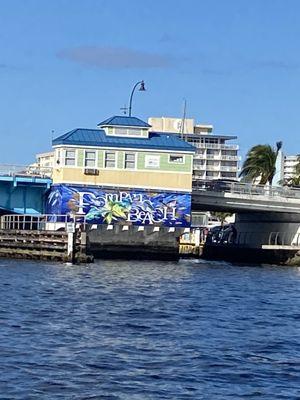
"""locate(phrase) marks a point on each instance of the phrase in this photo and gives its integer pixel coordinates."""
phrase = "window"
(129, 160)
(212, 152)
(211, 174)
(176, 159)
(210, 140)
(110, 159)
(213, 163)
(123, 131)
(70, 157)
(90, 159)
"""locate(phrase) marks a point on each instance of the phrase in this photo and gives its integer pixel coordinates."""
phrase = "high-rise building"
(285, 168)
(289, 166)
(214, 159)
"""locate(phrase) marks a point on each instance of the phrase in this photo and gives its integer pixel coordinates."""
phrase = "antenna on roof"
(183, 119)
(52, 135)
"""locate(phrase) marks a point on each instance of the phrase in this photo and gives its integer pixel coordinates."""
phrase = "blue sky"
(67, 64)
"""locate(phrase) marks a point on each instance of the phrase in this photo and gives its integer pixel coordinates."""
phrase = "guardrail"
(40, 222)
(24, 170)
(246, 189)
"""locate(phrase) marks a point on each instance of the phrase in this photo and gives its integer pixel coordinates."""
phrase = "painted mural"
(99, 206)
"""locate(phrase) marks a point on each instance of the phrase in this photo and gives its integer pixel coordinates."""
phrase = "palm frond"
(260, 164)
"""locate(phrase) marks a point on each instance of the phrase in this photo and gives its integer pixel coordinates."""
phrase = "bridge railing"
(246, 189)
(25, 170)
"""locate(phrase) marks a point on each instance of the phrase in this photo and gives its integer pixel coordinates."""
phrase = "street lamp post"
(141, 89)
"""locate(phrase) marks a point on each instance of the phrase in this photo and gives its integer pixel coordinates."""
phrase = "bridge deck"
(241, 197)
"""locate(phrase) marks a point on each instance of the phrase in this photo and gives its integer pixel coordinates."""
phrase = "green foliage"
(221, 216)
(260, 163)
(294, 181)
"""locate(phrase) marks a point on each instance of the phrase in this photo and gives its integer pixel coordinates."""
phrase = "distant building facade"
(45, 160)
(214, 158)
(285, 168)
(289, 166)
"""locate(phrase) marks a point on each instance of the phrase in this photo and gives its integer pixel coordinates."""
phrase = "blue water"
(149, 330)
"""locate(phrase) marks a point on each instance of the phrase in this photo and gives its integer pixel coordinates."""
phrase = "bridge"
(23, 188)
(237, 197)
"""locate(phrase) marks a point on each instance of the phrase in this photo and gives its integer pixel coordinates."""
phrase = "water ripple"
(149, 330)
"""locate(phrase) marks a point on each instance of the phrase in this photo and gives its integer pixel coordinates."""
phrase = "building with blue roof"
(123, 152)
(123, 120)
(122, 172)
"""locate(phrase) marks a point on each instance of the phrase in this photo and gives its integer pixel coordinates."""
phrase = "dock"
(35, 237)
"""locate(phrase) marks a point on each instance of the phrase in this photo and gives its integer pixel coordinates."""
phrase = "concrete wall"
(257, 229)
(134, 243)
(174, 125)
(136, 179)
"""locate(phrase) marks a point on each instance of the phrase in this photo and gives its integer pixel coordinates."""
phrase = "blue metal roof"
(124, 120)
(98, 138)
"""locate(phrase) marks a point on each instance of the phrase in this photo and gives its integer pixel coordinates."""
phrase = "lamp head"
(142, 87)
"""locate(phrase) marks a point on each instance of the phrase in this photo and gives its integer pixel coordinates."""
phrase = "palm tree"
(260, 163)
(221, 216)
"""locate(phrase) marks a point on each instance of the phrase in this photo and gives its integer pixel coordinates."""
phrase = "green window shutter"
(80, 156)
(120, 162)
(100, 159)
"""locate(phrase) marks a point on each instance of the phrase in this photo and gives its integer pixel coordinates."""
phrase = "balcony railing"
(199, 156)
(216, 146)
(229, 169)
(213, 167)
(230, 158)
(199, 167)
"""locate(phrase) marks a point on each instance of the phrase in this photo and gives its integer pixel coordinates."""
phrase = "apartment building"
(45, 159)
(285, 168)
(289, 166)
(215, 158)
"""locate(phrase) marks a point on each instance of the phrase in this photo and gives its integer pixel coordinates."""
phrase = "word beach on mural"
(105, 206)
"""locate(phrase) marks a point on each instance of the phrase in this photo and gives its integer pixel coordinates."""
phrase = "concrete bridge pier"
(138, 242)
(259, 229)
(262, 238)
(271, 236)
